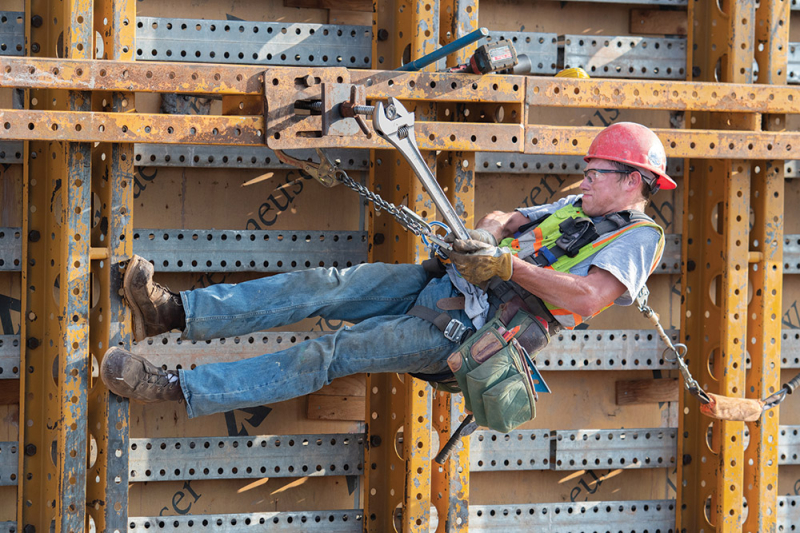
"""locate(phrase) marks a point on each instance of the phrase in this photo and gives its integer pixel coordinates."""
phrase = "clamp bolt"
(391, 112)
(30, 450)
(375, 441)
(32, 343)
(35, 48)
(34, 235)
(36, 22)
(383, 34)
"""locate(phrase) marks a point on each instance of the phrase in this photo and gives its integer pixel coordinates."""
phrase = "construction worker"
(543, 258)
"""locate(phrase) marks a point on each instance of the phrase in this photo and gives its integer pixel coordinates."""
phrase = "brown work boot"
(155, 309)
(131, 376)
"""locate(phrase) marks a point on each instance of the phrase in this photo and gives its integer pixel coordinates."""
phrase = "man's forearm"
(501, 224)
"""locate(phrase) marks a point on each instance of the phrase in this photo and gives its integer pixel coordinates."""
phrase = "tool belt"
(492, 368)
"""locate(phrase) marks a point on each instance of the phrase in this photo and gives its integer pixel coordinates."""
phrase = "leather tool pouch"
(493, 372)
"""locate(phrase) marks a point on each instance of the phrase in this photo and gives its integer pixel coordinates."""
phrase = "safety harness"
(558, 241)
(561, 241)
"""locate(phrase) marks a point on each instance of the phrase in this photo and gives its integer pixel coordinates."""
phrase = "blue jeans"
(372, 296)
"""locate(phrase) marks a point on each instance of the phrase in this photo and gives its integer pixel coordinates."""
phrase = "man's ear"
(636, 180)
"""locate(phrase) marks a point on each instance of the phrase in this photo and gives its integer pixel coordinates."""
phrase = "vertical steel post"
(56, 295)
(766, 277)
(111, 237)
(714, 321)
(404, 31)
(456, 171)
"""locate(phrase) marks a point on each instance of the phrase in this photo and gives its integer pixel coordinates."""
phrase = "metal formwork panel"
(10, 249)
(540, 48)
(308, 521)
(245, 457)
(583, 517)
(261, 43)
(12, 33)
(615, 448)
(249, 251)
(9, 460)
(9, 356)
(626, 57)
(515, 451)
(11, 152)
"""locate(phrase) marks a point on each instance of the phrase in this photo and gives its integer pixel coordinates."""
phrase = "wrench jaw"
(389, 119)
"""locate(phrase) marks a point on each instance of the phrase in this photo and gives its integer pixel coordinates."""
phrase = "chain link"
(404, 217)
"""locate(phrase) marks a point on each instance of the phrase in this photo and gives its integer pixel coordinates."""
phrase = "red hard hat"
(632, 144)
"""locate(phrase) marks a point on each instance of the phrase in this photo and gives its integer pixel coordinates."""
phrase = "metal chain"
(404, 216)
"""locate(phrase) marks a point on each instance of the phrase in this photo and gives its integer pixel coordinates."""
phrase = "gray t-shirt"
(628, 258)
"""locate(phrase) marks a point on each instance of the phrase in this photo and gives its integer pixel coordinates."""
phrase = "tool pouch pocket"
(493, 372)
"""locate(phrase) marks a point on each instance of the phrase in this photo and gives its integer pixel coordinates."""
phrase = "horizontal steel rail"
(9, 462)
(12, 33)
(307, 521)
(9, 356)
(245, 457)
(615, 448)
(626, 56)
(491, 451)
(587, 350)
(184, 78)
(260, 43)
(249, 251)
(634, 516)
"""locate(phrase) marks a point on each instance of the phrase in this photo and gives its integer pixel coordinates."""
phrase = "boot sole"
(138, 318)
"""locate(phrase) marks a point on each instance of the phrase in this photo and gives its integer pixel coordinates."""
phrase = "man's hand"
(478, 261)
(475, 235)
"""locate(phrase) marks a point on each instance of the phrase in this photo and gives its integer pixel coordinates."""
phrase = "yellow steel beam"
(456, 173)
(112, 242)
(664, 95)
(766, 277)
(249, 130)
(699, 144)
(103, 75)
(715, 316)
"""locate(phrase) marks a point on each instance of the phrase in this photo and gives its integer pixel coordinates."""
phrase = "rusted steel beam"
(665, 95)
(699, 144)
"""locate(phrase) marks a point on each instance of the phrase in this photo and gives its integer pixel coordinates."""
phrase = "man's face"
(603, 193)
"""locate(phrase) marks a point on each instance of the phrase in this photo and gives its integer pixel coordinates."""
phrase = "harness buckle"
(456, 331)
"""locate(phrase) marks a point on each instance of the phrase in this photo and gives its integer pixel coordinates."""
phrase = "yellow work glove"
(476, 235)
(478, 262)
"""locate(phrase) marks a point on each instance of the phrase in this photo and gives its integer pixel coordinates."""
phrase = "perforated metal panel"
(9, 356)
(12, 33)
(339, 454)
(10, 249)
(8, 527)
(249, 251)
(11, 152)
(626, 57)
(791, 169)
(8, 462)
(541, 48)
(209, 156)
(518, 450)
(605, 350)
(789, 445)
(260, 43)
(616, 448)
(788, 514)
(311, 521)
(587, 517)
(511, 163)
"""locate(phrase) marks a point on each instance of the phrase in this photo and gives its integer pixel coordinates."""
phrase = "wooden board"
(641, 391)
(344, 5)
(658, 22)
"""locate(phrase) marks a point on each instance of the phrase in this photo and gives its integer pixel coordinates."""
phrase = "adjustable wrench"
(395, 124)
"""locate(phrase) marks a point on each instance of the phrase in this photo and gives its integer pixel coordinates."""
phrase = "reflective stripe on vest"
(539, 239)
